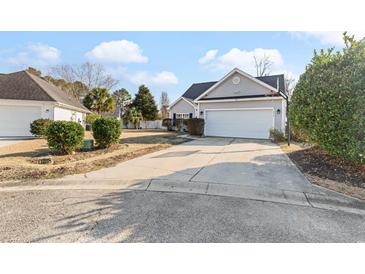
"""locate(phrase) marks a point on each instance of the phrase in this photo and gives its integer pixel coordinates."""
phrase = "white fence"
(157, 124)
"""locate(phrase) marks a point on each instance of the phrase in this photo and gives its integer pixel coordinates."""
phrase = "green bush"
(65, 136)
(328, 102)
(106, 131)
(195, 126)
(277, 135)
(39, 127)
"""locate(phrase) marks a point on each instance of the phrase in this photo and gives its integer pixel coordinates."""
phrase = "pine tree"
(145, 103)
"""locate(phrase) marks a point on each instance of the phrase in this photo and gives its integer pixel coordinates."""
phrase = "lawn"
(328, 171)
(23, 161)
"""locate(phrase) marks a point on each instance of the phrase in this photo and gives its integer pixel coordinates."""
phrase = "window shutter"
(174, 119)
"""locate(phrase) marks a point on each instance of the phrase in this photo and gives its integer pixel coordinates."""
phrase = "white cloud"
(36, 54)
(331, 38)
(121, 51)
(245, 60)
(165, 78)
(210, 55)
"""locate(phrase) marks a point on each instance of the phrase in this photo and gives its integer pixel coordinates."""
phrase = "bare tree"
(91, 74)
(164, 102)
(289, 83)
(263, 65)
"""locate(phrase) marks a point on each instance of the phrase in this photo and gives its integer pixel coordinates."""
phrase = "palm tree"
(135, 117)
(99, 100)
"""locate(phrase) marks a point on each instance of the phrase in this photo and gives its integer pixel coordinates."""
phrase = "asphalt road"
(148, 216)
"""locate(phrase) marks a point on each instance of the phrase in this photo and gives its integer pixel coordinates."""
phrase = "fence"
(157, 124)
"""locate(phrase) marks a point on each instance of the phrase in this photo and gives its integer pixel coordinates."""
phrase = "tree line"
(91, 84)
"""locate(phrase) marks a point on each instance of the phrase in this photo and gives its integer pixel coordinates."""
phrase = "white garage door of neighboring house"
(15, 120)
(244, 123)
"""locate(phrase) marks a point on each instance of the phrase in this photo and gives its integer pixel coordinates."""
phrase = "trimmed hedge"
(328, 103)
(106, 131)
(195, 126)
(39, 127)
(65, 136)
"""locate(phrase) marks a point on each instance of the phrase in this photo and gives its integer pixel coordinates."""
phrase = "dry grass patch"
(20, 161)
(328, 171)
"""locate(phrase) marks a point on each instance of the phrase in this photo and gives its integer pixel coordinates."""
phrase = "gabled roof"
(233, 71)
(23, 85)
(188, 100)
(272, 80)
(197, 89)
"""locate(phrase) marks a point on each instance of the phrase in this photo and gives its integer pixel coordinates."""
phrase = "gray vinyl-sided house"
(238, 105)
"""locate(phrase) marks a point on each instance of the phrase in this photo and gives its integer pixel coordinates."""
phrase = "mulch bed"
(319, 164)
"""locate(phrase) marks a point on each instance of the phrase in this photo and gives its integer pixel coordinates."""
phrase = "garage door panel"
(15, 120)
(244, 123)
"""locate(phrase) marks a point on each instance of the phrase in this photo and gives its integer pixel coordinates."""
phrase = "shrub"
(329, 100)
(65, 136)
(277, 135)
(195, 126)
(106, 131)
(39, 127)
(167, 123)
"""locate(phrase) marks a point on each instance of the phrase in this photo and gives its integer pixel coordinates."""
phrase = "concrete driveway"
(225, 161)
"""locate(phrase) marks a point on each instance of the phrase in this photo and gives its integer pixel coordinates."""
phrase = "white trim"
(237, 109)
(241, 100)
(231, 73)
(72, 108)
(186, 100)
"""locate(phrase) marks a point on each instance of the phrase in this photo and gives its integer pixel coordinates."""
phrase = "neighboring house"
(238, 105)
(25, 97)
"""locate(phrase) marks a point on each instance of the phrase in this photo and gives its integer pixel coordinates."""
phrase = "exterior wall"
(182, 107)
(245, 87)
(63, 114)
(279, 119)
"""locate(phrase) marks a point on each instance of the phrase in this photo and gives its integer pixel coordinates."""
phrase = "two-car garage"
(239, 122)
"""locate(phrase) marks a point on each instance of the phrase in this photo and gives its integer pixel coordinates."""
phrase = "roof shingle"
(25, 86)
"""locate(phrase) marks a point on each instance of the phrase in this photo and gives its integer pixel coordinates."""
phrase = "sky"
(164, 61)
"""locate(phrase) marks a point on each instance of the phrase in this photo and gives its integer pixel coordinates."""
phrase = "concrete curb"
(306, 199)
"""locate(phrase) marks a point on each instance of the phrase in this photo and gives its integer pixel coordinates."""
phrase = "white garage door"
(15, 120)
(244, 123)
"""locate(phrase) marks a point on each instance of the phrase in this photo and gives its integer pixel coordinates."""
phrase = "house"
(238, 105)
(25, 97)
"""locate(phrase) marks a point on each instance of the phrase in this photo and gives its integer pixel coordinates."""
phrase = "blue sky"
(164, 61)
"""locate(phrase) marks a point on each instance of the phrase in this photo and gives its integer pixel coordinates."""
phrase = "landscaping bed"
(328, 171)
(22, 161)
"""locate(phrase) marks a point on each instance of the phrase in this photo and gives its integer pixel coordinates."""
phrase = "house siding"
(62, 114)
(279, 119)
(182, 107)
(245, 87)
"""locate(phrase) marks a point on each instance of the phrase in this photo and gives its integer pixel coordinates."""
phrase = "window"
(182, 115)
